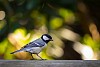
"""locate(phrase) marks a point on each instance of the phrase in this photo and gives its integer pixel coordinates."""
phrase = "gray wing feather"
(36, 43)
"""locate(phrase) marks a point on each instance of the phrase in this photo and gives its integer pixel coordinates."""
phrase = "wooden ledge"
(49, 63)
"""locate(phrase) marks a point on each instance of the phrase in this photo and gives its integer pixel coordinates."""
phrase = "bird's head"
(46, 38)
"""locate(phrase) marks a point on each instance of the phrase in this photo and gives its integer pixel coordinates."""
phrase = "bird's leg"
(31, 56)
(39, 57)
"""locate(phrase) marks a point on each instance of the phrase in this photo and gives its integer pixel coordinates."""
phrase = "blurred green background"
(73, 24)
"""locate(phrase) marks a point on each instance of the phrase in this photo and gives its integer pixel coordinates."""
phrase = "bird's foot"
(32, 59)
(42, 59)
(38, 59)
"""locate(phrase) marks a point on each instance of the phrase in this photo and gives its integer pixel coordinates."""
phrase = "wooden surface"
(49, 63)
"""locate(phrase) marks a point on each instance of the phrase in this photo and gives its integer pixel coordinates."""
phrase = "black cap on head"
(47, 36)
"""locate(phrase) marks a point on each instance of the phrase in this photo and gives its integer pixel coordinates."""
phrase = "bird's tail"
(16, 51)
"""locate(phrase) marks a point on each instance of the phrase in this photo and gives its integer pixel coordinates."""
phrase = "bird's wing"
(33, 44)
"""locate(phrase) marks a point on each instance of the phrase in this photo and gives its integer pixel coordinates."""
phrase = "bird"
(36, 46)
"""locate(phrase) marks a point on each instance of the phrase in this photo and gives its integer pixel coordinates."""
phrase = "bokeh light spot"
(56, 23)
(2, 15)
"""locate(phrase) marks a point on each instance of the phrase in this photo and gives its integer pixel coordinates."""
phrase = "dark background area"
(73, 24)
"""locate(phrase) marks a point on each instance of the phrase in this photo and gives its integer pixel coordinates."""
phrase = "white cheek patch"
(45, 38)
